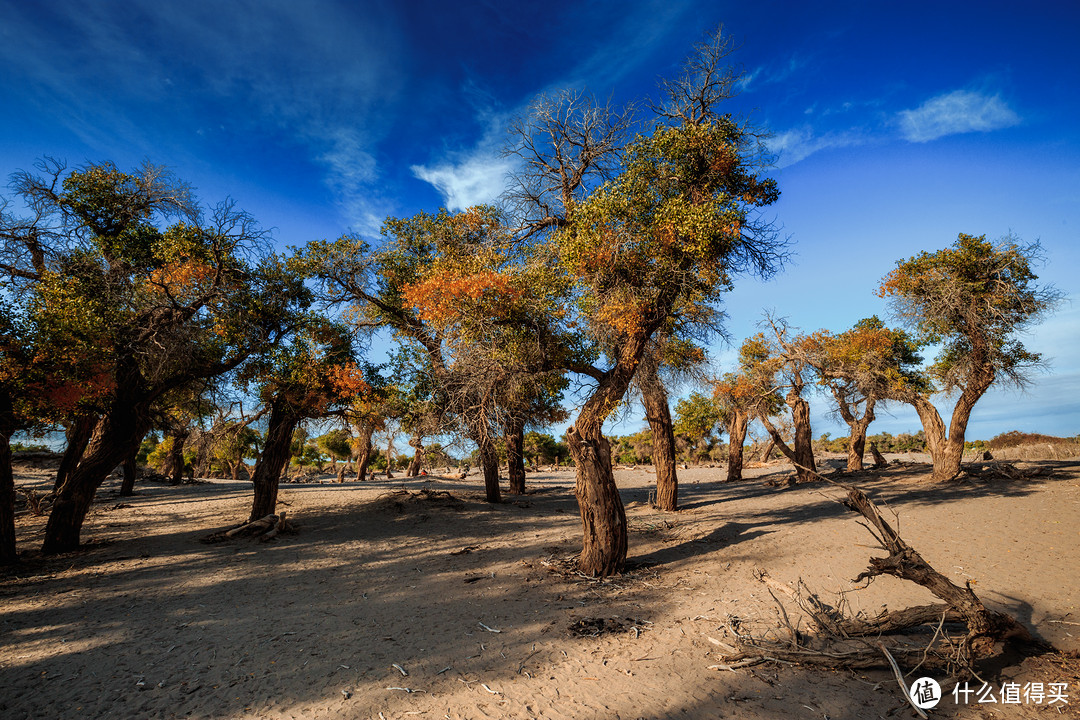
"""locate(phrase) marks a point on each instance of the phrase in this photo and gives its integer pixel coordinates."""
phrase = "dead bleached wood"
(278, 527)
(262, 524)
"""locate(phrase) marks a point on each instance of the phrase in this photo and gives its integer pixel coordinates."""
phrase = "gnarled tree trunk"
(802, 454)
(515, 457)
(417, 444)
(767, 452)
(275, 455)
(78, 435)
(603, 517)
(655, 399)
(364, 432)
(116, 437)
(489, 463)
(736, 428)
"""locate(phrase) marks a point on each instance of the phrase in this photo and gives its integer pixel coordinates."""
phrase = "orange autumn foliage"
(444, 296)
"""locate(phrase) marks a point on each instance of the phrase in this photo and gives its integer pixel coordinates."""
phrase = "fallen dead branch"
(266, 528)
(841, 641)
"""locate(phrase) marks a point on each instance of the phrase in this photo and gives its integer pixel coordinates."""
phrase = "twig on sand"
(900, 680)
(489, 629)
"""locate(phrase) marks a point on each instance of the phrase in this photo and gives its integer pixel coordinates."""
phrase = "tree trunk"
(417, 444)
(655, 399)
(174, 461)
(8, 554)
(947, 450)
(857, 426)
(78, 435)
(276, 453)
(363, 440)
(116, 437)
(767, 452)
(804, 447)
(127, 487)
(515, 457)
(802, 453)
(942, 448)
(736, 437)
(603, 517)
(489, 463)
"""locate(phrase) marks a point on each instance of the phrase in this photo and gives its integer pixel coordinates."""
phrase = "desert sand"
(413, 598)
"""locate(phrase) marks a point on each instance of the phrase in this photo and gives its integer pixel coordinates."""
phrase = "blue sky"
(898, 125)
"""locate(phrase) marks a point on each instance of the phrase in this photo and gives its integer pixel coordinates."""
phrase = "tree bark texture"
(116, 437)
(802, 454)
(603, 517)
(275, 454)
(857, 427)
(78, 435)
(417, 444)
(489, 463)
(947, 448)
(736, 437)
(515, 458)
(363, 441)
(655, 399)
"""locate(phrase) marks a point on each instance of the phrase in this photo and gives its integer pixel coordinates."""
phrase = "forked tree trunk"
(655, 399)
(515, 458)
(802, 454)
(947, 450)
(489, 463)
(736, 437)
(8, 555)
(116, 437)
(857, 426)
(78, 435)
(275, 454)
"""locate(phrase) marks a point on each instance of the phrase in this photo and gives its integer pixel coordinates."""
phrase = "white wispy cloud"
(960, 111)
(797, 144)
(472, 178)
(305, 75)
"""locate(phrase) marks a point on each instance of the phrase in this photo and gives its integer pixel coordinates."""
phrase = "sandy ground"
(398, 606)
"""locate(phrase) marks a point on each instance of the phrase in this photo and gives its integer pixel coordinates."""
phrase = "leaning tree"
(973, 299)
(665, 237)
(168, 291)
